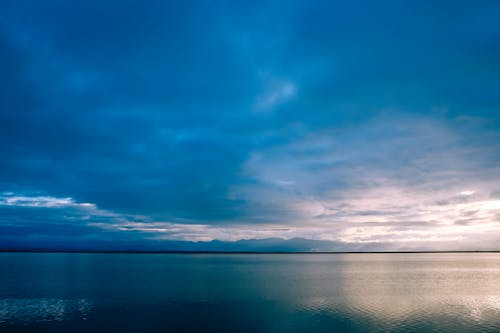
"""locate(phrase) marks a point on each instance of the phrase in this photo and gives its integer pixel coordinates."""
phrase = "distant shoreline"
(233, 252)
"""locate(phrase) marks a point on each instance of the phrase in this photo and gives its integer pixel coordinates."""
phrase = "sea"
(372, 292)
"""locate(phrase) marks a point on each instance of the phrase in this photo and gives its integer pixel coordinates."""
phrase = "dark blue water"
(56, 292)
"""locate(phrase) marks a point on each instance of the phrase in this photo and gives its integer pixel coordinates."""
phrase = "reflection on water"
(28, 310)
(405, 290)
(250, 293)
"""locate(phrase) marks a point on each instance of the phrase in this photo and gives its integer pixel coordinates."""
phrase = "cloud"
(277, 92)
(198, 122)
(384, 185)
(10, 199)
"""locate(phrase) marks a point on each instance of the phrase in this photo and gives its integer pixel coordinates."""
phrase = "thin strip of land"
(230, 252)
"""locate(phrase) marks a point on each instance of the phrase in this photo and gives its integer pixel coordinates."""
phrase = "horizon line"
(237, 252)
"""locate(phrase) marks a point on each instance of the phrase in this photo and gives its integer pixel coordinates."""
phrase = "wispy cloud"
(276, 92)
(384, 186)
(16, 200)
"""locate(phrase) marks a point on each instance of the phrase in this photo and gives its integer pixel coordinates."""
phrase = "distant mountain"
(250, 245)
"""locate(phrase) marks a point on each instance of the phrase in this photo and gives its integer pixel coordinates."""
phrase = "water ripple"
(29, 310)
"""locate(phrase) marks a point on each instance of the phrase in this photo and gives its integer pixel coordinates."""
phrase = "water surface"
(79, 292)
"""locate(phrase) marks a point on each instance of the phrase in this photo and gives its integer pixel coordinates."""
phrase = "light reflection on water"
(250, 293)
(398, 285)
(401, 289)
(29, 310)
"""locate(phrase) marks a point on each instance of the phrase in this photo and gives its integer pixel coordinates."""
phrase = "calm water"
(249, 293)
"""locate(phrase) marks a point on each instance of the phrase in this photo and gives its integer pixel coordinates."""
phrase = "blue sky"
(360, 124)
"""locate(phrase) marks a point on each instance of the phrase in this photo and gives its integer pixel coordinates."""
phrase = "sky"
(311, 125)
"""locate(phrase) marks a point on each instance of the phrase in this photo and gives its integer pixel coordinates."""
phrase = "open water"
(83, 292)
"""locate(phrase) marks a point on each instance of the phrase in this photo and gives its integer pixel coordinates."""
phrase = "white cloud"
(467, 193)
(19, 200)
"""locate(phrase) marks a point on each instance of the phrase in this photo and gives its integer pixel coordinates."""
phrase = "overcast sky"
(370, 123)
